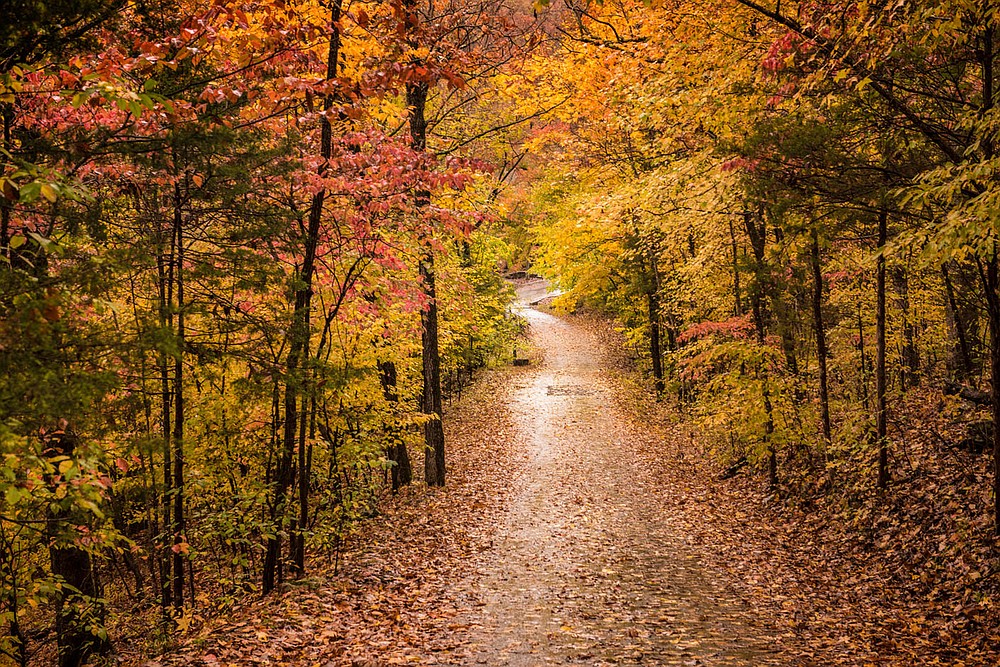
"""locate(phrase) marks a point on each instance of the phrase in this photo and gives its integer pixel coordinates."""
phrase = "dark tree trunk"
(298, 541)
(960, 358)
(402, 471)
(434, 463)
(757, 232)
(79, 607)
(881, 415)
(910, 354)
(299, 335)
(821, 351)
(737, 297)
(165, 278)
(864, 359)
(18, 651)
(7, 117)
(993, 284)
(178, 436)
(653, 298)
(431, 404)
(993, 311)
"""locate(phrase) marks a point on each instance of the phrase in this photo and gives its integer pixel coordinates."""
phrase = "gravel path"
(586, 569)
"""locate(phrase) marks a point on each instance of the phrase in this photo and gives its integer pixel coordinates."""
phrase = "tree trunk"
(737, 297)
(758, 242)
(863, 386)
(402, 471)
(993, 311)
(653, 299)
(880, 372)
(821, 351)
(434, 463)
(910, 354)
(178, 436)
(299, 335)
(7, 117)
(960, 357)
(993, 283)
(17, 641)
(165, 274)
(79, 607)
(431, 404)
(298, 541)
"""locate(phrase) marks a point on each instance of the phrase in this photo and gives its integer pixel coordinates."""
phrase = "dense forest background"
(251, 248)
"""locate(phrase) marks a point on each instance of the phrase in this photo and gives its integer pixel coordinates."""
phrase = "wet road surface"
(585, 568)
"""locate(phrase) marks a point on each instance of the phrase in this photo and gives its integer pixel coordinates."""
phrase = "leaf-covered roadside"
(903, 577)
(395, 597)
(888, 580)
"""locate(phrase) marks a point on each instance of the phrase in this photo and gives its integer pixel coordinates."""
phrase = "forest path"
(564, 537)
(587, 566)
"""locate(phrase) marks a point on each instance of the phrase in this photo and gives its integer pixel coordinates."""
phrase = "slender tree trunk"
(178, 436)
(910, 353)
(165, 280)
(402, 472)
(961, 353)
(993, 281)
(299, 335)
(18, 651)
(305, 476)
(434, 462)
(737, 297)
(653, 298)
(864, 359)
(993, 311)
(821, 351)
(7, 117)
(431, 404)
(757, 232)
(881, 415)
(79, 606)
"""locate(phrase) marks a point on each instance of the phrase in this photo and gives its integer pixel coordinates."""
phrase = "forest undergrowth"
(396, 596)
(850, 574)
(845, 575)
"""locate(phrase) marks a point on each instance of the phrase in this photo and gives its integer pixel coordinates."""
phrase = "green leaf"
(12, 495)
(49, 192)
(30, 192)
(91, 506)
(42, 242)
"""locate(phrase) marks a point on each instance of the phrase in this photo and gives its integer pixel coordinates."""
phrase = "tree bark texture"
(881, 415)
(821, 349)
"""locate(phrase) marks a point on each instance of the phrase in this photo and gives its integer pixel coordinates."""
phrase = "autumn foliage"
(248, 246)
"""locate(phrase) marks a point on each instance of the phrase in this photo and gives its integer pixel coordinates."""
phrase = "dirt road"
(586, 568)
(552, 544)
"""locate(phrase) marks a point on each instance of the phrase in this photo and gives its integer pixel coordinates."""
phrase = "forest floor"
(579, 526)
